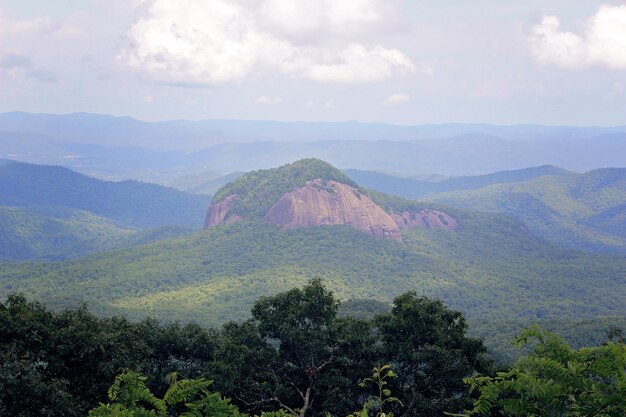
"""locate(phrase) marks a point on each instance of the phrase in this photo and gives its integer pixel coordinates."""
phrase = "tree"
(300, 323)
(295, 355)
(61, 363)
(431, 354)
(554, 380)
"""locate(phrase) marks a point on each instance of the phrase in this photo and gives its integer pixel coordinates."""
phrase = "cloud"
(602, 43)
(306, 19)
(43, 76)
(266, 100)
(11, 60)
(219, 41)
(38, 25)
(17, 65)
(396, 99)
(353, 64)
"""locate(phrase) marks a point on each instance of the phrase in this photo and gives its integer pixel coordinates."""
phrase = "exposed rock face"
(329, 202)
(429, 219)
(219, 213)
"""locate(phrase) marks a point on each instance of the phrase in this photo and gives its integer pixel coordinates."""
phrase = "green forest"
(295, 356)
(490, 270)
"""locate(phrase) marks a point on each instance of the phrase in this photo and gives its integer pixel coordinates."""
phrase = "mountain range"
(121, 148)
(580, 211)
(284, 226)
(54, 213)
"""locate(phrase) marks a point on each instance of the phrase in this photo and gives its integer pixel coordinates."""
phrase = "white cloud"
(189, 42)
(306, 18)
(218, 41)
(356, 64)
(396, 99)
(602, 43)
(267, 100)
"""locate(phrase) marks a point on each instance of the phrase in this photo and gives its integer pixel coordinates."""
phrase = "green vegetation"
(584, 211)
(61, 363)
(490, 269)
(130, 397)
(257, 191)
(414, 189)
(556, 381)
(129, 204)
(577, 332)
(294, 357)
(56, 233)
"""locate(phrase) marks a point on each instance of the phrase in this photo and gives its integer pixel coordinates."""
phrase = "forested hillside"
(416, 189)
(583, 211)
(58, 233)
(129, 204)
(490, 269)
(488, 266)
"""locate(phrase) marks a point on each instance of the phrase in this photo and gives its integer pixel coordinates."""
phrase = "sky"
(404, 62)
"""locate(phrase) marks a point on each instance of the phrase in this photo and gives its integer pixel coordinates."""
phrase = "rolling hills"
(416, 189)
(491, 267)
(53, 213)
(583, 211)
(130, 204)
(57, 233)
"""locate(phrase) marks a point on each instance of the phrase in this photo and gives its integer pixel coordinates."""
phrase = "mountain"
(582, 211)
(312, 193)
(129, 204)
(98, 129)
(57, 233)
(413, 189)
(120, 147)
(490, 267)
(207, 183)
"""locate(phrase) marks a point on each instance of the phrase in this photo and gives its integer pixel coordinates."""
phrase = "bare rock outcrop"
(329, 202)
(220, 213)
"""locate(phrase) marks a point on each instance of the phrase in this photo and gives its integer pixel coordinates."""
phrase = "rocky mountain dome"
(317, 201)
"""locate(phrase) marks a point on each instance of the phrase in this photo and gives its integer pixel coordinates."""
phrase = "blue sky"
(406, 62)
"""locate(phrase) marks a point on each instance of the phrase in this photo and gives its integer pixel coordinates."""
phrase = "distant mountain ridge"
(129, 203)
(120, 131)
(582, 211)
(413, 189)
(120, 148)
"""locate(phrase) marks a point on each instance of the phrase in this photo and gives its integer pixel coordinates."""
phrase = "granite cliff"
(289, 198)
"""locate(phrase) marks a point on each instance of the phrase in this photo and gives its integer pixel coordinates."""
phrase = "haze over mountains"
(121, 148)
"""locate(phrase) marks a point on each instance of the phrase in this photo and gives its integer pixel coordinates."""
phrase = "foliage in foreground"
(130, 397)
(294, 355)
(556, 381)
